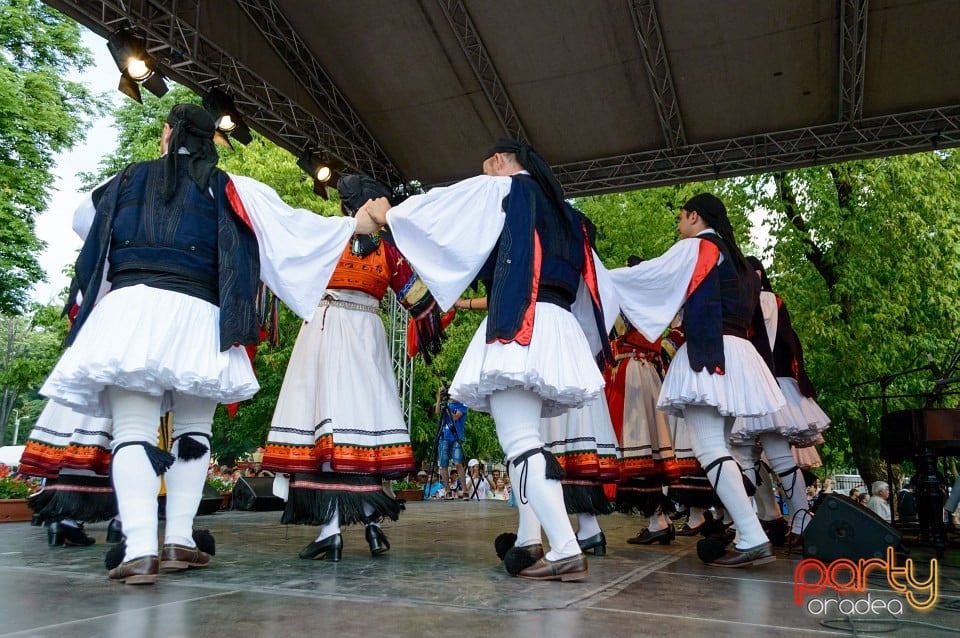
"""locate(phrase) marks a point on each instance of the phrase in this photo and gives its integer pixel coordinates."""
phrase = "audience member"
(878, 502)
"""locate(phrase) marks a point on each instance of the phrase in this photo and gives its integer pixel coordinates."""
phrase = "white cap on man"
(473, 462)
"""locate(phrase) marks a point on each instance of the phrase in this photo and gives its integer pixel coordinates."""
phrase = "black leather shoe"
(59, 535)
(114, 531)
(377, 540)
(646, 537)
(686, 530)
(759, 555)
(330, 548)
(36, 520)
(597, 542)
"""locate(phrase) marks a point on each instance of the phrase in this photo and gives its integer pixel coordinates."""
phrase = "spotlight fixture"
(220, 105)
(314, 164)
(135, 64)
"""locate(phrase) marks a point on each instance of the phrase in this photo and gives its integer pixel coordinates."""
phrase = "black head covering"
(538, 168)
(757, 265)
(710, 208)
(633, 260)
(355, 190)
(192, 129)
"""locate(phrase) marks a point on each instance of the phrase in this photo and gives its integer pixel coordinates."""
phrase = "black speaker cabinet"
(256, 495)
(844, 529)
(210, 501)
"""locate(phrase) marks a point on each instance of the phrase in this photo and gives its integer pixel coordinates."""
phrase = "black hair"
(714, 213)
(757, 265)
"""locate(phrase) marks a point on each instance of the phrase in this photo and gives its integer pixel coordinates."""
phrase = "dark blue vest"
(724, 303)
(194, 244)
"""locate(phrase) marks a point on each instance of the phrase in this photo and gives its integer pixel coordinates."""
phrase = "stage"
(440, 578)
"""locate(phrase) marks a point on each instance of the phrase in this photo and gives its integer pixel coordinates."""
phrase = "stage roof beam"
(655, 61)
(276, 29)
(853, 56)
(483, 68)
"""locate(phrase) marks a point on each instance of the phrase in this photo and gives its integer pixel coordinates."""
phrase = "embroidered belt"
(348, 305)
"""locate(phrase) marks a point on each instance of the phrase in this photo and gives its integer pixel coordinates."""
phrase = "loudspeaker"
(256, 495)
(844, 529)
(210, 501)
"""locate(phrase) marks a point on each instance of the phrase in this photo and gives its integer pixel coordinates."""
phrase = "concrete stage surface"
(440, 578)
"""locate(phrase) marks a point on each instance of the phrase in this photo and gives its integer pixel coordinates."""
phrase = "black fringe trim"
(66, 498)
(693, 491)
(644, 496)
(586, 499)
(307, 506)
(160, 460)
(554, 471)
(190, 450)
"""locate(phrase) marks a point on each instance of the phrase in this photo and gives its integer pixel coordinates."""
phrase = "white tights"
(709, 432)
(516, 413)
(136, 418)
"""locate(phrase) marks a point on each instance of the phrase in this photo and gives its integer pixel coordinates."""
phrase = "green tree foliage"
(41, 114)
(865, 255)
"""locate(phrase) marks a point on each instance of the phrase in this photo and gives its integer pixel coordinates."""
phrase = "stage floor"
(441, 578)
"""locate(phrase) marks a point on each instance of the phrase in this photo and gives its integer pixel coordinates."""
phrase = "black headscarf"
(714, 213)
(757, 265)
(538, 168)
(193, 129)
(355, 190)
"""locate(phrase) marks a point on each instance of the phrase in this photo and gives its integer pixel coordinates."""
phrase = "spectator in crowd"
(878, 503)
(907, 503)
(854, 494)
(433, 487)
(477, 486)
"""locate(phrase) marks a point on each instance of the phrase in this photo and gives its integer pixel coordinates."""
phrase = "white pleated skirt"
(746, 389)
(339, 383)
(801, 419)
(153, 341)
(557, 365)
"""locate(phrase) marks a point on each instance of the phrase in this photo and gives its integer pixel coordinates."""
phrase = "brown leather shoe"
(176, 558)
(139, 571)
(573, 568)
(759, 555)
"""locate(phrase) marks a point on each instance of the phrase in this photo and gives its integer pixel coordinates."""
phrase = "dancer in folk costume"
(338, 428)
(71, 451)
(182, 248)
(800, 422)
(583, 442)
(717, 374)
(531, 357)
(649, 462)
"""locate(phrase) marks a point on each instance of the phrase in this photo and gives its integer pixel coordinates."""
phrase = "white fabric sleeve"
(582, 307)
(653, 291)
(448, 233)
(299, 249)
(83, 215)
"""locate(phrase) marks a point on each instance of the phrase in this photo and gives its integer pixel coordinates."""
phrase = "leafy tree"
(41, 114)
(864, 253)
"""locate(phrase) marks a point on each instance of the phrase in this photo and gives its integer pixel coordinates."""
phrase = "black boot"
(377, 540)
(60, 534)
(330, 548)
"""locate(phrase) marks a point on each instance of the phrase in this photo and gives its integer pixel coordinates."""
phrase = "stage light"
(221, 107)
(136, 67)
(314, 164)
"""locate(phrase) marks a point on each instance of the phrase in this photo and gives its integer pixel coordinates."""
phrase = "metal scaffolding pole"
(396, 320)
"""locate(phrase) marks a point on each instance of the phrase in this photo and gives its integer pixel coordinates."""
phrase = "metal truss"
(647, 26)
(483, 67)
(826, 144)
(277, 30)
(853, 56)
(396, 321)
(187, 56)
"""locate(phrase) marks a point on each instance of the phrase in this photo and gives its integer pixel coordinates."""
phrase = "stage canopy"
(616, 94)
